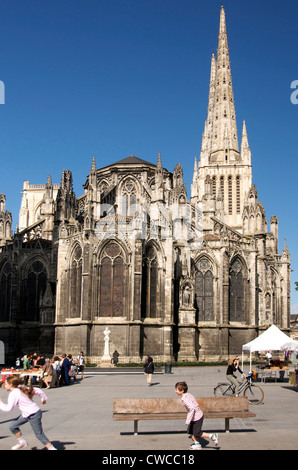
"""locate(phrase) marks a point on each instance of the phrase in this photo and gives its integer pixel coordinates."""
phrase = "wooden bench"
(136, 409)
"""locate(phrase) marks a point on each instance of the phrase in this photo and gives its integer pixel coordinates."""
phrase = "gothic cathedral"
(172, 277)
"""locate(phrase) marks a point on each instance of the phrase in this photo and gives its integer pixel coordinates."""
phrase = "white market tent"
(291, 345)
(272, 339)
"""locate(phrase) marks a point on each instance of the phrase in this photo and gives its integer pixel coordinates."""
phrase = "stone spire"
(159, 165)
(92, 174)
(221, 165)
(93, 166)
(244, 142)
(245, 150)
(285, 256)
(220, 140)
(159, 189)
(207, 135)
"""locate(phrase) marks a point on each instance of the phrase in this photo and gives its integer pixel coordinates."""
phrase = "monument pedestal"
(187, 334)
(106, 363)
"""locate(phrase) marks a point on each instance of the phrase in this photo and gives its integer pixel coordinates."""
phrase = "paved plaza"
(79, 417)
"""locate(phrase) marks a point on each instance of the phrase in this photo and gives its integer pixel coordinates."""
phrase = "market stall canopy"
(272, 339)
(291, 345)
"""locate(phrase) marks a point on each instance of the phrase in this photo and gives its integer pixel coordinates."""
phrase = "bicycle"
(254, 393)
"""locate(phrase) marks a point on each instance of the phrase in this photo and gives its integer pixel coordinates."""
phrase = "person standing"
(56, 371)
(23, 398)
(47, 373)
(81, 363)
(195, 417)
(65, 367)
(26, 362)
(269, 358)
(149, 369)
(115, 357)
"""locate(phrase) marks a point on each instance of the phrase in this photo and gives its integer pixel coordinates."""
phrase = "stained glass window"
(236, 292)
(112, 280)
(204, 290)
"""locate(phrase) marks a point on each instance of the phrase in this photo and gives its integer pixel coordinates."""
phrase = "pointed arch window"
(128, 197)
(274, 308)
(230, 194)
(222, 186)
(214, 186)
(236, 300)
(150, 284)
(238, 194)
(75, 283)
(268, 305)
(5, 293)
(204, 290)
(35, 287)
(112, 282)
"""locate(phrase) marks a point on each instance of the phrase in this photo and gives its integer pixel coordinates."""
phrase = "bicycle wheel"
(254, 393)
(223, 390)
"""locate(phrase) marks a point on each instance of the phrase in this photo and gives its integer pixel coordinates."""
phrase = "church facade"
(171, 277)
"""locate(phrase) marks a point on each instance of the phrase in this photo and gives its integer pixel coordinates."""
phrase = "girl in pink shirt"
(22, 397)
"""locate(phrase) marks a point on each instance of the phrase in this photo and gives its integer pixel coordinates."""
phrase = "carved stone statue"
(106, 355)
(187, 295)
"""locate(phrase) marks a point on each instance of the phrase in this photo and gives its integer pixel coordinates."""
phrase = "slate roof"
(133, 160)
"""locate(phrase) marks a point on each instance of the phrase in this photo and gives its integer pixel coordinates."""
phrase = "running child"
(23, 398)
(195, 417)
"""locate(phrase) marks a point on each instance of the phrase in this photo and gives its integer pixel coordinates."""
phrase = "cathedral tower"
(224, 176)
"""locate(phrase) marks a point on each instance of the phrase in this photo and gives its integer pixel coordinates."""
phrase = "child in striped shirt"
(195, 417)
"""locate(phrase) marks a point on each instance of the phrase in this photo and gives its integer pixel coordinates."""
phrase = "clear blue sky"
(111, 78)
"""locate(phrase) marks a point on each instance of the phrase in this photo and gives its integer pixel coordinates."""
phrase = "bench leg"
(227, 424)
(135, 427)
